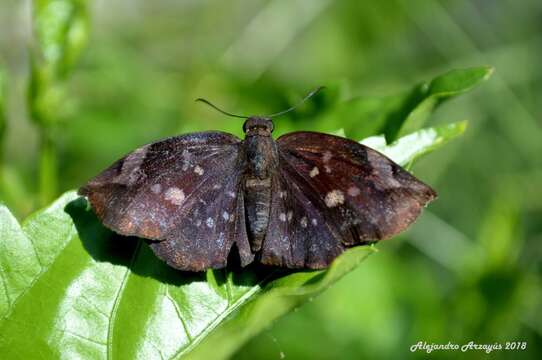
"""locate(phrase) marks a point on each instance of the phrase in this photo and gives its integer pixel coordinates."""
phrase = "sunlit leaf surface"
(93, 294)
(408, 148)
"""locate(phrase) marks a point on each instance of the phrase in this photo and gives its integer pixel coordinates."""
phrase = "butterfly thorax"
(262, 162)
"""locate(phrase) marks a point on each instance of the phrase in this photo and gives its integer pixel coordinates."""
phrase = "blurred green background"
(469, 269)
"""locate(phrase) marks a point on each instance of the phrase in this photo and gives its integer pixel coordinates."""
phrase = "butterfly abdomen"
(262, 161)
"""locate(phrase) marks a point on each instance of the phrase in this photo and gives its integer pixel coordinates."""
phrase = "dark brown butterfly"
(297, 202)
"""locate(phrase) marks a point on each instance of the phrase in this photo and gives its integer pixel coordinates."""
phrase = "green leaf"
(398, 115)
(279, 297)
(432, 94)
(90, 293)
(410, 147)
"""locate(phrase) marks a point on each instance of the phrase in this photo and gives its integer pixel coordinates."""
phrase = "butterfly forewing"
(181, 181)
(363, 195)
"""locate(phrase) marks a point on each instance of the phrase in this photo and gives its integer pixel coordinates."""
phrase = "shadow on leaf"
(104, 245)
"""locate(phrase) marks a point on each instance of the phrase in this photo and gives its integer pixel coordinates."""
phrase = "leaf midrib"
(224, 314)
(116, 303)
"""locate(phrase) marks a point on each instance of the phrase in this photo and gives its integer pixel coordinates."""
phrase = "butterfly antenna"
(220, 110)
(307, 97)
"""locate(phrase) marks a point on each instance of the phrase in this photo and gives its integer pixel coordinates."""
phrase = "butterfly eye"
(255, 123)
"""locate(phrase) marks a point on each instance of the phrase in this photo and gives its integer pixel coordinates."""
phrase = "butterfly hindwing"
(298, 234)
(361, 195)
(212, 221)
(180, 181)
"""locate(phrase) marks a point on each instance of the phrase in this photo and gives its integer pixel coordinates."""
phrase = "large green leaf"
(92, 294)
(80, 291)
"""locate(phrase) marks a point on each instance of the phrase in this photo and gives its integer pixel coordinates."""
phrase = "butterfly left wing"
(336, 193)
(184, 192)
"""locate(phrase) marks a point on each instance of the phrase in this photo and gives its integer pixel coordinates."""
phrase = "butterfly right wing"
(298, 235)
(352, 194)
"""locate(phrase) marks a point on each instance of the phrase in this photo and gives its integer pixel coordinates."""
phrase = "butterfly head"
(256, 125)
(260, 125)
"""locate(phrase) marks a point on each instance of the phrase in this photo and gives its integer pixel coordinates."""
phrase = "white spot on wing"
(303, 222)
(353, 191)
(383, 169)
(130, 171)
(209, 222)
(314, 172)
(198, 170)
(225, 215)
(175, 196)
(282, 217)
(334, 198)
(220, 240)
(314, 222)
(156, 188)
(186, 159)
(231, 194)
(290, 215)
(198, 223)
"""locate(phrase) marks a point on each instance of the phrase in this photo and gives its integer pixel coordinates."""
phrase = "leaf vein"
(5, 286)
(71, 333)
(38, 276)
(117, 301)
(178, 311)
(224, 314)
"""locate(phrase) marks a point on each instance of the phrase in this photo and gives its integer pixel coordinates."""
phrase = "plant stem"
(47, 167)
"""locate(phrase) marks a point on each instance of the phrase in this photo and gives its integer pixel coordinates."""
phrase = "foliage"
(61, 31)
(469, 268)
(105, 296)
(101, 296)
(404, 113)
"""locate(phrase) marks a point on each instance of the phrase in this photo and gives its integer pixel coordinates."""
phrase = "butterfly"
(297, 202)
